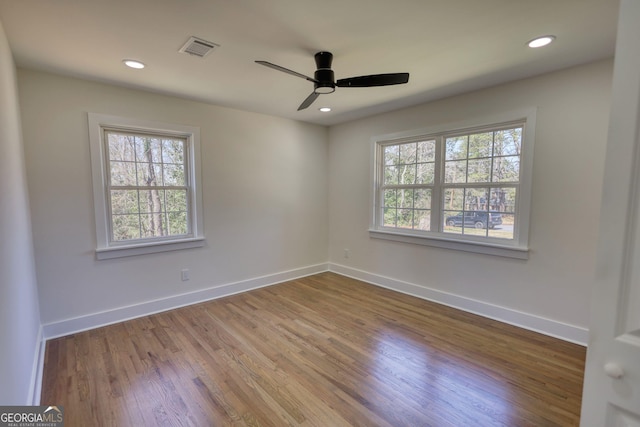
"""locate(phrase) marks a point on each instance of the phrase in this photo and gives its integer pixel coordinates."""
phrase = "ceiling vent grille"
(198, 47)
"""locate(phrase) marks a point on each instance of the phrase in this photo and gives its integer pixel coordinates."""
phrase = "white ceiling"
(448, 46)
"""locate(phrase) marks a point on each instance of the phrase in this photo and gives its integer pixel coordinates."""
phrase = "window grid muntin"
(186, 155)
(439, 187)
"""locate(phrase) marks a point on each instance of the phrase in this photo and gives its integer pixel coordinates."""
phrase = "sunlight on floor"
(441, 378)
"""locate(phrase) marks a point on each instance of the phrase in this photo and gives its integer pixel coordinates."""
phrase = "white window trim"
(516, 248)
(105, 250)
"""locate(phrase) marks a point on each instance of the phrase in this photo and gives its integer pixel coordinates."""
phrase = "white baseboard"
(96, 320)
(563, 331)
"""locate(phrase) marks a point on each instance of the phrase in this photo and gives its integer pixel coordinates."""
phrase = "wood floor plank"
(324, 350)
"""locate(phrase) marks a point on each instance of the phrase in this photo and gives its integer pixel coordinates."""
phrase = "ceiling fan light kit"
(324, 79)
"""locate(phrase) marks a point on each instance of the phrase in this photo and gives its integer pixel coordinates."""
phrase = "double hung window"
(146, 192)
(461, 188)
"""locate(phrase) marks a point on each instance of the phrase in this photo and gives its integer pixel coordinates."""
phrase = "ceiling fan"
(324, 80)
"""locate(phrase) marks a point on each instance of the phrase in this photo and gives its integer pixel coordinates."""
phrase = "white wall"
(550, 291)
(264, 190)
(19, 313)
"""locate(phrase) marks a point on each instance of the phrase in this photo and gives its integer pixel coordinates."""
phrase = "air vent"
(198, 47)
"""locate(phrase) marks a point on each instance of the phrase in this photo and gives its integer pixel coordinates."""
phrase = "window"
(146, 191)
(460, 187)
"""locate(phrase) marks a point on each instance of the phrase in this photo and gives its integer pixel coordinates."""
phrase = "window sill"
(486, 248)
(148, 248)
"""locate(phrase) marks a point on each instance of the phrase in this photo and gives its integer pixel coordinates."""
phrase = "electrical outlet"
(184, 274)
(347, 253)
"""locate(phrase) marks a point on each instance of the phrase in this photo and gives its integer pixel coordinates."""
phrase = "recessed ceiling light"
(325, 109)
(131, 63)
(541, 41)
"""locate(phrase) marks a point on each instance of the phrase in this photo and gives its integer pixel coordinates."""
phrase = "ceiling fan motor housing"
(324, 74)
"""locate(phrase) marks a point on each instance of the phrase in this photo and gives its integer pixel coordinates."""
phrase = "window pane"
(426, 151)
(390, 175)
(123, 173)
(172, 151)
(454, 199)
(456, 148)
(390, 198)
(422, 199)
(476, 199)
(153, 225)
(173, 175)
(425, 173)
(149, 174)
(479, 170)
(148, 149)
(121, 147)
(405, 198)
(455, 172)
(508, 142)
(503, 199)
(389, 217)
(405, 218)
(126, 227)
(506, 169)
(505, 230)
(408, 153)
(177, 223)
(176, 200)
(124, 202)
(422, 220)
(480, 145)
(407, 174)
(452, 222)
(391, 154)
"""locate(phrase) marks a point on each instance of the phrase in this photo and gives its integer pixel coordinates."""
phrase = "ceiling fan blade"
(308, 101)
(286, 70)
(374, 80)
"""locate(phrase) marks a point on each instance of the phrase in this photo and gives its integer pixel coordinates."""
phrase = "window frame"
(513, 248)
(105, 247)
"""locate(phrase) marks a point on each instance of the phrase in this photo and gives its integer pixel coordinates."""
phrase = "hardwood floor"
(325, 351)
